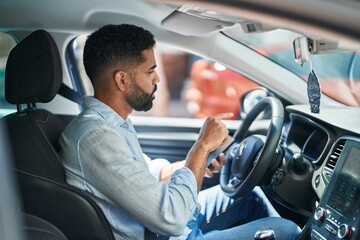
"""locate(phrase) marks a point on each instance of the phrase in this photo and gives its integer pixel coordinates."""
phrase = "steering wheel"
(254, 155)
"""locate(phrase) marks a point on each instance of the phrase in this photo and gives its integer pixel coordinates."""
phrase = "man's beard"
(138, 99)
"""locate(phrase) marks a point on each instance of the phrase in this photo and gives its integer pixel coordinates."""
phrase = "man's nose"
(156, 79)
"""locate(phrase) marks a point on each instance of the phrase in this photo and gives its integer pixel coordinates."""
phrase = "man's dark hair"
(115, 45)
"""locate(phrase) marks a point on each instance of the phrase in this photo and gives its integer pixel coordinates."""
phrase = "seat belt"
(70, 94)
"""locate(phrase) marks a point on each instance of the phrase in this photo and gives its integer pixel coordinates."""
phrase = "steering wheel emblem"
(242, 148)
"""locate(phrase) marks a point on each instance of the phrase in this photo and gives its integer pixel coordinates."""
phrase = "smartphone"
(215, 154)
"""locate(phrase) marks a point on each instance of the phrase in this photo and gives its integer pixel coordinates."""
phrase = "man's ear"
(120, 80)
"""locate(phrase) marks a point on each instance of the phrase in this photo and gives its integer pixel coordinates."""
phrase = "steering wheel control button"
(344, 231)
(278, 177)
(265, 234)
(233, 183)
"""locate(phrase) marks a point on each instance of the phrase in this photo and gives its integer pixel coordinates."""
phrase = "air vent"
(334, 156)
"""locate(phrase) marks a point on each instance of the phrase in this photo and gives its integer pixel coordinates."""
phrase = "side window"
(189, 86)
(197, 88)
(6, 44)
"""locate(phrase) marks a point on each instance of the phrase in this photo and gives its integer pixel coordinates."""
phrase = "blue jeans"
(224, 218)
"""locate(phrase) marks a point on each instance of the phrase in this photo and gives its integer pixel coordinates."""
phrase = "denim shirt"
(102, 156)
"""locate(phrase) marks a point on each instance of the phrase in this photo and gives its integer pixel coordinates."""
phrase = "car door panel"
(173, 146)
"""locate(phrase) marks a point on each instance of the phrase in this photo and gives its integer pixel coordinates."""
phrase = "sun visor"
(186, 24)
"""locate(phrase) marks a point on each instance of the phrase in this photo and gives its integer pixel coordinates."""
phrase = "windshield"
(338, 72)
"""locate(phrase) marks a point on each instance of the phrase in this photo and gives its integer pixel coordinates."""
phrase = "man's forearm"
(196, 160)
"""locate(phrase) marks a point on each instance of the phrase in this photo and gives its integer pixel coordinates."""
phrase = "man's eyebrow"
(153, 67)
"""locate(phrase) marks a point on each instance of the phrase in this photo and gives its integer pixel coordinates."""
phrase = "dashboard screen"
(347, 187)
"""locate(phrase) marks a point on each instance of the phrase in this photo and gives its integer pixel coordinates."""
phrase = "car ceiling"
(85, 15)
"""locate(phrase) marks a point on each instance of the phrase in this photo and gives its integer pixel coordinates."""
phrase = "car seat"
(34, 75)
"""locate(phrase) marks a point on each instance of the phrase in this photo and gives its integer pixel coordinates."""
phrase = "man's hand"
(212, 134)
(215, 166)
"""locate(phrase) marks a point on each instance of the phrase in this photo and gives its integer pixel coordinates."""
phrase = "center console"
(338, 213)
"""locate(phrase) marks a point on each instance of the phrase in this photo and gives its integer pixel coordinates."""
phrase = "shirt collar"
(107, 113)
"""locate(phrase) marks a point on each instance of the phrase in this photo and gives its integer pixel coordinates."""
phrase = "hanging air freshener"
(313, 90)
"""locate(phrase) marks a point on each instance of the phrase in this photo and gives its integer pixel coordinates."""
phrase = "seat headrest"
(33, 71)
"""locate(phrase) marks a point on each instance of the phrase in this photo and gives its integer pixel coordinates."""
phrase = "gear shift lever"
(265, 234)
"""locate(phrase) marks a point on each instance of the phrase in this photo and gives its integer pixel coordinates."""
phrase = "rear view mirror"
(301, 50)
(304, 47)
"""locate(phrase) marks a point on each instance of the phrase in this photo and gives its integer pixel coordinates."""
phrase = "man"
(102, 155)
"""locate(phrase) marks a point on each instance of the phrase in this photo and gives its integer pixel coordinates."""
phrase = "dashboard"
(319, 176)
